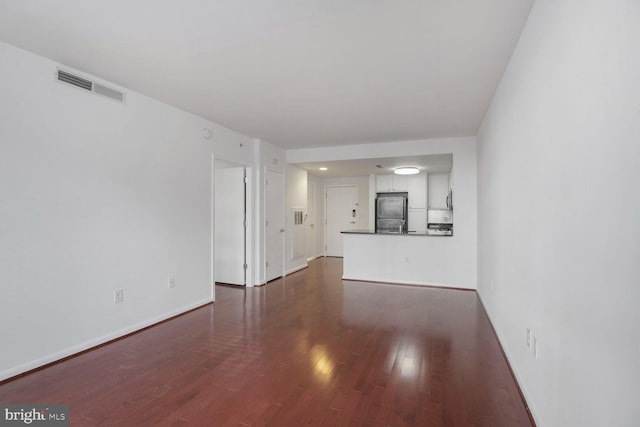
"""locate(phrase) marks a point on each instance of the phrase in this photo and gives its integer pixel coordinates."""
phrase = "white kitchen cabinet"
(392, 183)
(384, 183)
(438, 190)
(400, 182)
(418, 191)
(417, 220)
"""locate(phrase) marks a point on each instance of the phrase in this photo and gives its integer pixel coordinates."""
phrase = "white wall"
(559, 222)
(462, 265)
(97, 196)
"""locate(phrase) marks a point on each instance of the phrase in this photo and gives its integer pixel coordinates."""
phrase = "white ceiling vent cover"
(97, 88)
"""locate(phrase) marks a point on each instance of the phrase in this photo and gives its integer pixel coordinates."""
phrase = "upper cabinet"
(439, 185)
(392, 183)
(414, 185)
(400, 183)
(384, 183)
(418, 191)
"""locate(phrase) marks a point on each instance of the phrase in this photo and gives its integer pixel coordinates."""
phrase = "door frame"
(357, 187)
(311, 221)
(264, 228)
(248, 226)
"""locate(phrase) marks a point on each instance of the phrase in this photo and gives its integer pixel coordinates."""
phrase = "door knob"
(282, 230)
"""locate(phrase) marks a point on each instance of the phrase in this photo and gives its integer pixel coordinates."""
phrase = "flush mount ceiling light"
(406, 171)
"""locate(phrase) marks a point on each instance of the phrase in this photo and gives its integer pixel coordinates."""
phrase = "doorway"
(274, 225)
(230, 216)
(311, 221)
(341, 213)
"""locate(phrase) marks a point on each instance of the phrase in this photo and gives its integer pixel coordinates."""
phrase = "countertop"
(411, 233)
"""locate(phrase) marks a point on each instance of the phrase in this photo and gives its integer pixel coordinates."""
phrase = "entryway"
(341, 213)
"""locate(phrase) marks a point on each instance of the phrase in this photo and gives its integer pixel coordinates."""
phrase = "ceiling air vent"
(97, 88)
(69, 78)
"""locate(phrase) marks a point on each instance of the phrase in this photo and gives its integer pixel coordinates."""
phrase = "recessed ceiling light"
(323, 169)
(406, 171)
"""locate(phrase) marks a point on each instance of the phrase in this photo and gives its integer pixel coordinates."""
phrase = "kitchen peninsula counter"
(407, 258)
(371, 232)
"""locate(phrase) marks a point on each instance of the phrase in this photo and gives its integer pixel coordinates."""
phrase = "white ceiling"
(294, 73)
(433, 163)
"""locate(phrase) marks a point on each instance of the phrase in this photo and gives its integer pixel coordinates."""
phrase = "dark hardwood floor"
(307, 350)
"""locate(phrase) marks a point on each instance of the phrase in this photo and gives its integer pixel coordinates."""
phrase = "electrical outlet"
(118, 296)
(535, 347)
(172, 282)
(528, 337)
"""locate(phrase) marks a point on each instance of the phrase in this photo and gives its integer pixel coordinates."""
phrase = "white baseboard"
(70, 351)
(528, 397)
(298, 268)
(406, 282)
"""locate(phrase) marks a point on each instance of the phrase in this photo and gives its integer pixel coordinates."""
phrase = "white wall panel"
(558, 212)
(97, 196)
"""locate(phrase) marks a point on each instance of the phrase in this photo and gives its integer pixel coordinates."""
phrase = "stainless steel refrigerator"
(391, 213)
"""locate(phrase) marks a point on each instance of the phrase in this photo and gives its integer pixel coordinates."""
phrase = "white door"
(311, 220)
(274, 225)
(341, 213)
(230, 226)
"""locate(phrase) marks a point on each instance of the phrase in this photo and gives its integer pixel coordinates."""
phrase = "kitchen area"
(410, 202)
(412, 232)
(425, 208)
(437, 242)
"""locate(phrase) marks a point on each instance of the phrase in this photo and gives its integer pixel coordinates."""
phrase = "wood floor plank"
(310, 349)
